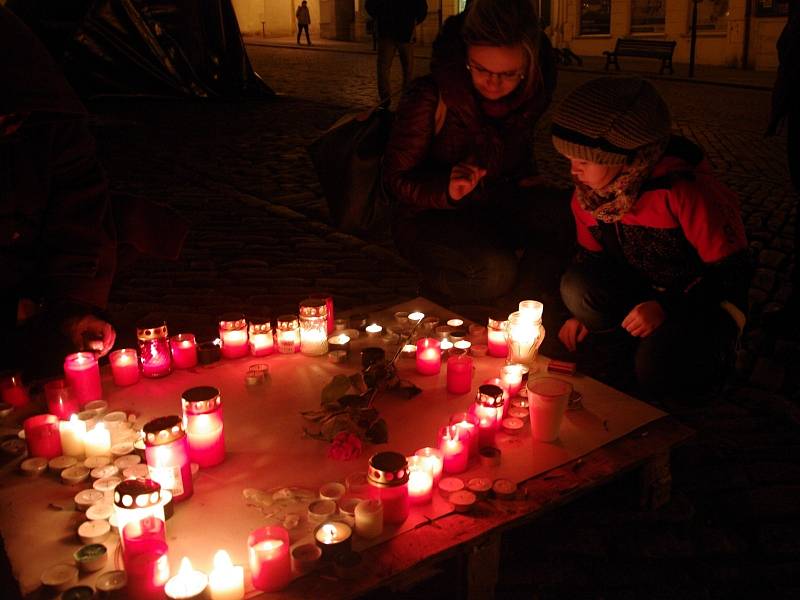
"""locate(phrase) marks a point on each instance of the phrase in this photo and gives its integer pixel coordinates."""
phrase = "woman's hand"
(463, 179)
(572, 333)
(90, 334)
(644, 319)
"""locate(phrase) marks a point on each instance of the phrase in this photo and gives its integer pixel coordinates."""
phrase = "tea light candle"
(42, 436)
(456, 452)
(479, 486)
(429, 356)
(97, 442)
(373, 330)
(93, 462)
(139, 471)
(124, 366)
(74, 475)
(107, 485)
(305, 558)
(420, 481)
(369, 519)
(33, 467)
(104, 471)
(94, 532)
(511, 377)
(321, 510)
(459, 374)
(450, 485)
(415, 317)
(409, 351)
(184, 350)
(504, 489)
(435, 461)
(127, 461)
(82, 374)
(347, 507)
(455, 322)
(60, 577)
(463, 501)
(86, 498)
(357, 483)
(226, 581)
(268, 549)
(188, 583)
(121, 449)
(100, 511)
(519, 413)
(333, 538)
(512, 425)
(60, 401)
(339, 343)
(72, 433)
(332, 491)
(59, 463)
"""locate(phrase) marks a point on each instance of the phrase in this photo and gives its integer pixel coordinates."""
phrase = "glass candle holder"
(429, 356)
(139, 511)
(313, 327)
(124, 366)
(184, 350)
(388, 481)
(328, 300)
(73, 432)
(13, 391)
(435, 461)
(147, 573)
(261, 340)
(455, 451)
(270, 564)
(531, 310)
(42, 436)
(511, 376)
(287, 334)
(167, 455)
(468, 427)
(487, 408)
(524, 335)
(202, 421)
(60, 401)
(233, 335)
(496, 337)
(420, 480)
(459, 374)
(82, 374)
(154, 353)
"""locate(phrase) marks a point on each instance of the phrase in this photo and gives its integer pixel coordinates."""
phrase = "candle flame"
(416, 316)
(186, 566)
(217, 342)
(73, 418)
(222, 560)
(329, 531)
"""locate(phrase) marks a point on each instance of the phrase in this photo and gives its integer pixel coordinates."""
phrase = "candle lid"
(287, 322)
(201, 399)
(490, 395)
(151, 329)
(260, 324)
(498, 322)
(163, 430)
(313, 308)
(232, 321)
(137, 493)
(388, 469)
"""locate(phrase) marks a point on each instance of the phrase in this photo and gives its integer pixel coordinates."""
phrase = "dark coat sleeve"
(410, 177)
(422, 10)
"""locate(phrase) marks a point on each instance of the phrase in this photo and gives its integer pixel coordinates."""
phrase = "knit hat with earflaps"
(606, 120)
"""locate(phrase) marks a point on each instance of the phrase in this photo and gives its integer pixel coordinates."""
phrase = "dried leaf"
(378, 433)
(353, 401)
(314, 415)
(337, 388)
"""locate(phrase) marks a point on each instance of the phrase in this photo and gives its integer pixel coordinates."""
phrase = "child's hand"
(463, 179)
(644, 319)
(572, 333)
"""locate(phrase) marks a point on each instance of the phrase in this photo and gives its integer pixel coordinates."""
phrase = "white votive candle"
(97, 442)
(369, 518)
(188, 583)
(226, 581)
(72, 433)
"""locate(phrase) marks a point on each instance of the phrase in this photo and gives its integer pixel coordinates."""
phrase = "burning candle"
(373, 330)
(388, 479)
(202, 420)
(72, 433)
(287, 333)
(188, 583)
(233, 335)
(124, 366)
(270, 564)
(409, 351)
(369, 518)
(154, 353)
(496, 337)
(226, 581)
(82, 374)
(167, 454)
(60, 401)
(184, 350)
(454, 450)
(333, 538)
(429, 356)
(148, 572)
(415, 317)
(459, 374)
(420, 480)
(339, 342)
(467, 426)
(139, 513)
(525, 333)
(456, 323)
(496, 381)
(260, 338)
(511, 376)
(328, 299)
(42, 436)
(13, 391)
(313, 327)
(97, 441)
(435, 461)
(486, 408)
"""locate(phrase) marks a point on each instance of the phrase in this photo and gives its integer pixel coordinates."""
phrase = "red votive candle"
(467, 425)
(60, 401)
(261, 341)
(429, 356)
(487, 407)
(455, 450)
(13, 391)
(435, 461)
(42, 436)
(124, 366)
(154, 353)
(139, 509)
(233, 335)
(388, 482)
(202, 419)
(501, 384)
(511, 376)
(82, 374)
(167, 455)
(420, 480)
(268, 551)
(148, 573)
(496, 337)
(459, 374)
(184, 350)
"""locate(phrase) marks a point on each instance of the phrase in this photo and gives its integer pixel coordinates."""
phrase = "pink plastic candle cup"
(148, 573)
(42, 436)
(496, 338)
(388, 480)
(82, 374)
(184, 350)
(233, 335)
(467, 426)
(142, 536)
(459, 374)
(155, 356)
(13, 391)
(270, 564)
(202, 418)
(124, 366)
(429, 357)
(60, 401)
(167, 455)
(455, 451)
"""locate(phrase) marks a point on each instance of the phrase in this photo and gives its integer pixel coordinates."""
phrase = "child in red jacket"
(663, 257)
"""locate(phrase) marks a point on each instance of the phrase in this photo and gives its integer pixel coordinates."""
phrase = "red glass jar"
(488, 409)
(155, 356)
(388, 482)
(139, 509)
(260, 336)
(233, 335)
(287, 334)
(167, 455)
(496, 337)
(202, 421)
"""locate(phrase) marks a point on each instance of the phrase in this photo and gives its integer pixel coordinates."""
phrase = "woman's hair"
(506, 23)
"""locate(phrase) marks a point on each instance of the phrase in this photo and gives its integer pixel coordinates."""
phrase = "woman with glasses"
(472, 215)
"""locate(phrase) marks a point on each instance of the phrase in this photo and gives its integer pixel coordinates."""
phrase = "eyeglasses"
(504, 77)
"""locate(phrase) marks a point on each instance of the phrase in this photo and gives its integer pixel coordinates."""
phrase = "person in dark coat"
(303, 21)
(395, 21)
(57, 239)
(467, 194)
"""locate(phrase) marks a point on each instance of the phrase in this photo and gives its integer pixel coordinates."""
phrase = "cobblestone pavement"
(240, 174)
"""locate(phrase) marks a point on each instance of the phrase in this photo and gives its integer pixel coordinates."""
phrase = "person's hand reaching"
(572, 333)
(463, 179)
(91, 334)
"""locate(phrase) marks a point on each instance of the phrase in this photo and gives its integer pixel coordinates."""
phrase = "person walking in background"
(303, 21)
(395, 20)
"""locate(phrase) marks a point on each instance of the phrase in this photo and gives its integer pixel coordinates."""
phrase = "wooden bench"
(642, 49)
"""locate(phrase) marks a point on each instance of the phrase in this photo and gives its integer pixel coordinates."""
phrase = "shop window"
(647, 16)
(712, 15)
(595, 17)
